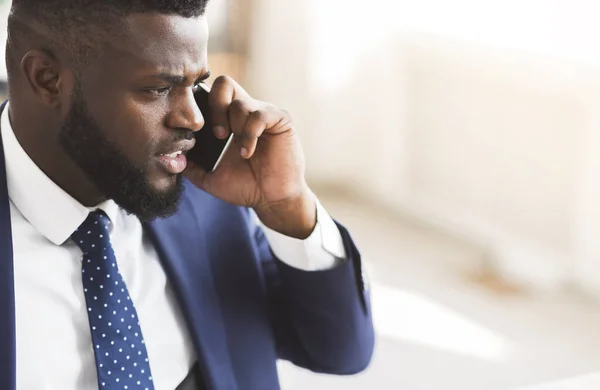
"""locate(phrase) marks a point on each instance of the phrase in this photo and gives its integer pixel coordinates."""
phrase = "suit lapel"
(7, 292)
(180, 242)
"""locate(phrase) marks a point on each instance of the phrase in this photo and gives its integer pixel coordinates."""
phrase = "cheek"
(135, 128)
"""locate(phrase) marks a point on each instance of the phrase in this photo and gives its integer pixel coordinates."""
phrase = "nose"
(186, 113)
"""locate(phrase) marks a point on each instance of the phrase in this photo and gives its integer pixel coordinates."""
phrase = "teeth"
(173, 155)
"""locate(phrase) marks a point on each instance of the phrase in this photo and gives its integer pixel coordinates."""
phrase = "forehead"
(158, 43)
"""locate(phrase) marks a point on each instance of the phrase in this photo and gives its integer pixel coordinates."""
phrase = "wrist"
(294, 217)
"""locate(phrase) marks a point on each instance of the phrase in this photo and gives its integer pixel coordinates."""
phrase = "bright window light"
(410, 317)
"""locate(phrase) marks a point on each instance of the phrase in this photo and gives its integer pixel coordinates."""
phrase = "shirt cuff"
(322, 250)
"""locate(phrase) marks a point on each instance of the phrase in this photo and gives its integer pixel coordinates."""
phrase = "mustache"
(180, 135)
(174, 137)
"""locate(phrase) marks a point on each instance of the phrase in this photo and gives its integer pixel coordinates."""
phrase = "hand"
(264, 167)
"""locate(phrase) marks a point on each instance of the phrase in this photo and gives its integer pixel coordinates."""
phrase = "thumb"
(198, 176)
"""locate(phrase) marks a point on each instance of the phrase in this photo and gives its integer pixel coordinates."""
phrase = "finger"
(265, 120)
(278, 121)
(220, 97)
(254, 128)
(239, 113)
(224, 91)
(195, 174)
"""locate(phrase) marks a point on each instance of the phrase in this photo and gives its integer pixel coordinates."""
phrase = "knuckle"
(222, 80)
(283, 114)
(258, 116)
(238, 104)
(286, 115)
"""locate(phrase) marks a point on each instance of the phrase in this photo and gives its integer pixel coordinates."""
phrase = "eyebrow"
(177, 79)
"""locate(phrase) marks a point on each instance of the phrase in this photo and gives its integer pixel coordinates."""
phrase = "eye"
(159, 91)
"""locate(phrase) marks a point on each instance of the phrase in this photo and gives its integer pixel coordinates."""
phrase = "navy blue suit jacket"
(244, 308)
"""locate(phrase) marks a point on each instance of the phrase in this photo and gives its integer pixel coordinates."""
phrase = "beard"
(105, 164)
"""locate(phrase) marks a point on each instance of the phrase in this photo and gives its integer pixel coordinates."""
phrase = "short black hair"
(77, 26)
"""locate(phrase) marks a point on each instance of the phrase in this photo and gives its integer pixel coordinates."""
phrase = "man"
(123, 265)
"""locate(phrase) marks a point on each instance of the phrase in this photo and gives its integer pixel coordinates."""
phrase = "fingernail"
(220, 131)
(244, 152)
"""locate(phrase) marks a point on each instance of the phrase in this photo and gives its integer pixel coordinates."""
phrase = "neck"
(38, 135)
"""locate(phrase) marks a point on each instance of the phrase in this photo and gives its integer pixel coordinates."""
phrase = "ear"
(43, 73)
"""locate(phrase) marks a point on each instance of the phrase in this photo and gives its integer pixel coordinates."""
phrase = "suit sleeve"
(321, 319)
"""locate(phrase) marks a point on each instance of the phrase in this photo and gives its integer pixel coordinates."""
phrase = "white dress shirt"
(53, 338)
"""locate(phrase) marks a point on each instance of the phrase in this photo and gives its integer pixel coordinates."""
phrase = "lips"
(173, 159)
(175, 149)
(173, 165)
(173, 155)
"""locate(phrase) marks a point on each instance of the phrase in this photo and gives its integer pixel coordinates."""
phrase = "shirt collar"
(52, 211)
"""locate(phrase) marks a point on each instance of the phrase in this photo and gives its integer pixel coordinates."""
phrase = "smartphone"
(209, 150)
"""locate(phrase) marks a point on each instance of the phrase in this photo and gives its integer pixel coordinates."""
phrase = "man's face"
(133, 111)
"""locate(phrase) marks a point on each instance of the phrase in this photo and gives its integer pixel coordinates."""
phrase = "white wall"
(494, 138)
(498, 145)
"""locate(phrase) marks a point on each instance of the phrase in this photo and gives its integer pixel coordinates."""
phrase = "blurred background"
(459, 140)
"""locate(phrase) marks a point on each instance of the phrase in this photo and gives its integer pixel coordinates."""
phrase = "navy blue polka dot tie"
(121, 356)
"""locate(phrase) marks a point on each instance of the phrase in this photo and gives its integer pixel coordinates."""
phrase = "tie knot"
(93, 234)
